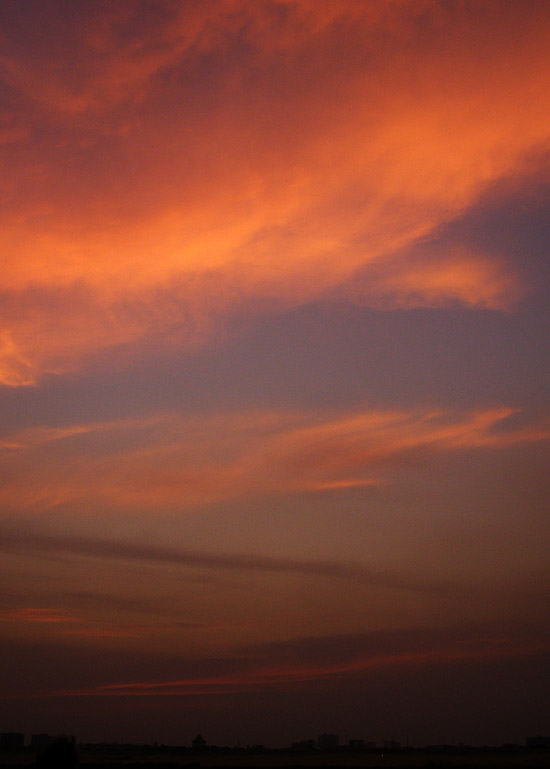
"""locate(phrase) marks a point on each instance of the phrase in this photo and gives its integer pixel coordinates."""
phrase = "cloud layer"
(260, 152)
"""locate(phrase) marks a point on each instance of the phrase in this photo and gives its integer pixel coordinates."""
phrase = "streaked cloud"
(29, 614)
(59, 624)
(453, 276)
(106, 549)
(170, 460)
(266, 674)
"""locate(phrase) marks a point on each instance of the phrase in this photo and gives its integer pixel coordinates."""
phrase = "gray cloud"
(107, 549)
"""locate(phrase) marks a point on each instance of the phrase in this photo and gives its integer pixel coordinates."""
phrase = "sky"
(274, 364)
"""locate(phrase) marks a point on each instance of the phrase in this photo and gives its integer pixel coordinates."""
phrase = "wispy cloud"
(266, 675)
(107, 549)
(60, 623)
(40, 615)
(180, 461)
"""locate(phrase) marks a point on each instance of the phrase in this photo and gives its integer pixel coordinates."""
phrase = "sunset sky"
(274, 366)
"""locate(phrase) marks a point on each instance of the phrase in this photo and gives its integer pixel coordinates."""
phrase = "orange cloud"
(474, 280)
(273, 676)
(15, 368)
(63, 624)
(40, 615)
(189, 461)
(326, 140)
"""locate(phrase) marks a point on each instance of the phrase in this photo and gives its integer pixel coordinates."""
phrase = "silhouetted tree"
(199, 742)
(59, 754)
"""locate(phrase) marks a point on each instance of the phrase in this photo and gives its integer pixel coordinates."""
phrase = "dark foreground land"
(164, 757)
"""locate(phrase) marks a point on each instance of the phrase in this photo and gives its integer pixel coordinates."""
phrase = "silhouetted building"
(538, 742)
(12, 740)
(391, 745)
(199, 742)
(328, 741)
(304, 745)
(40, 741)
(357, 743)
(61, 753)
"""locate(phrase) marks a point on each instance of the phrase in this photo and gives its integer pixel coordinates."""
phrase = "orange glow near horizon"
(292, 676)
